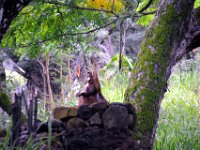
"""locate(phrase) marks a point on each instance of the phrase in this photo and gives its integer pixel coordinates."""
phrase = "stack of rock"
(97, 127)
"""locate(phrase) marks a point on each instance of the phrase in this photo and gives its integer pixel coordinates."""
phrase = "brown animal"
(92, 92)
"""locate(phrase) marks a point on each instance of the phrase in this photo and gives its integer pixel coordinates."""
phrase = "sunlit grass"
(114, 89)
(178, 126)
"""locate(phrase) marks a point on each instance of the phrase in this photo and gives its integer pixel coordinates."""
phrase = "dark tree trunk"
(9, 9)
(163, 46)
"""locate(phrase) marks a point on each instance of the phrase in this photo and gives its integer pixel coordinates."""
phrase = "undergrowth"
(179, 122)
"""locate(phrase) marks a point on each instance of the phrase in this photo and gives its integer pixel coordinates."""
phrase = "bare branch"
(148, 13)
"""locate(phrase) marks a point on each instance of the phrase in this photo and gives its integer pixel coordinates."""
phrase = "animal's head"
(92, 86)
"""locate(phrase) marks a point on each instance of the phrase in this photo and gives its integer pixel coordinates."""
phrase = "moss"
(5, 103)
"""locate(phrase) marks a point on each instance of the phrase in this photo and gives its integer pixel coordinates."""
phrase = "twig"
(123, 28)
(146, 6)
(147, 13)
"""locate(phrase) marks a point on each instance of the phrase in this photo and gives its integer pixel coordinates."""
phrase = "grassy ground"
(179, 122)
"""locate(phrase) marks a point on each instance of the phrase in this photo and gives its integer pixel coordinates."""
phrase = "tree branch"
(192, 37)
(146, 6)
(67, 34)
(148, 13)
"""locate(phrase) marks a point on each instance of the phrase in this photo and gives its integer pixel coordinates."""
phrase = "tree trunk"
(9, 9)
(5, 102)
(158, 54)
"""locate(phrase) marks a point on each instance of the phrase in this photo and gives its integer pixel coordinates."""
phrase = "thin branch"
(148, 13)
(67, 34)
(25, 13)
(146, 6)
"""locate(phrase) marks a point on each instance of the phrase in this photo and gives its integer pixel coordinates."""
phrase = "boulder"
(85, 112)
(64, 112)
(76, 123)
(95, 120)
(116, 116)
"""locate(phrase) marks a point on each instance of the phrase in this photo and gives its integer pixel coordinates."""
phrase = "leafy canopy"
(46, 25)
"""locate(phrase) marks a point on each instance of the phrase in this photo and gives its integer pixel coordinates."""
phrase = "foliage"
(43, 27)
(127, 63)
(114, 89)
(146, 19)
(13, 80)
(116, 5)
(6, 139)
(197, 4)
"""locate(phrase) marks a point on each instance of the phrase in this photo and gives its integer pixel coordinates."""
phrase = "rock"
(132, 116)
(95, 119)
(131, 122)
(97, 107)
(116, 116)
(76, 123)
(57, 126)
(118, 104)
(96, 138)
(85, 112)
(64, 112)
(130, 108)
(96, 127)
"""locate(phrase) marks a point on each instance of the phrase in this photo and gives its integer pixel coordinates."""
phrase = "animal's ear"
(78, 71)
(82, 93)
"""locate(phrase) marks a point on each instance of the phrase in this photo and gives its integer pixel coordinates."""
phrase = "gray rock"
(85, 112)
(95, 119)
(115, 116)
(76, 123)
(99, 107)
(131, 122)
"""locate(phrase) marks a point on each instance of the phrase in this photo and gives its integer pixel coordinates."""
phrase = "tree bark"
(159, 52)
(9, 9)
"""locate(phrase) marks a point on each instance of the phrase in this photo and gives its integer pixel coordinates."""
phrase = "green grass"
(114, 89)
(179, 122)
